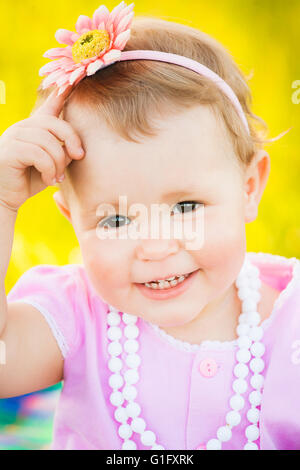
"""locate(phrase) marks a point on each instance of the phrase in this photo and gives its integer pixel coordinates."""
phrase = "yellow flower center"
(90, 44)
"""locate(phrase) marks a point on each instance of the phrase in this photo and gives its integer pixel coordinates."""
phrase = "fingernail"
(54, 181)
(61, 178)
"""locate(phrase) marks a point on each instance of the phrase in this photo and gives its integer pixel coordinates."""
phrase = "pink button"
(208, 367)
(201, 447)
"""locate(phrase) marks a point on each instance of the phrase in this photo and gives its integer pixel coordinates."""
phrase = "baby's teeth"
(181, 278)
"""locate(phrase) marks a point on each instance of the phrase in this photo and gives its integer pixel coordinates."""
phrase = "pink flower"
(97, 43)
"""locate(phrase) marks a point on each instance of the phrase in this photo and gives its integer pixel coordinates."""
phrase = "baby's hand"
(31, 155)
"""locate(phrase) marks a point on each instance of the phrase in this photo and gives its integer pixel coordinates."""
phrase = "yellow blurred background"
(262, 36)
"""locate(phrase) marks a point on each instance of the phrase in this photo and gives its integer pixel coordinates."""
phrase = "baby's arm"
(32, 359)
(31, 156)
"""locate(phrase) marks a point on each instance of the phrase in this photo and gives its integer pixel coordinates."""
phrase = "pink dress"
(183, 390)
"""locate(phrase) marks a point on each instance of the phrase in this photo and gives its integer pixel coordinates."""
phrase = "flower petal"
(75, 36)
(125, 23)
(50, 79)
(62, 80)
(121, 39)
(101, 25)
(57, 52)
(114, 13)
(111, 56)
(124, 13)
(64, 36)
(94, 66)
(83, 22)
(74, 75)
(101, 14)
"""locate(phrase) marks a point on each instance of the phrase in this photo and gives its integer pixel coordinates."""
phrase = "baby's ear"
(256, 178)
(62, 205)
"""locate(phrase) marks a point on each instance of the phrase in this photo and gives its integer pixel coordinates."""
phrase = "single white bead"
(244, 293)
(131, 346)
(237, 402)
(244, 342)
(148, 438)
(115, 364)
(133, 410)
(251, 446)
(257, 349)
(116, 398)
(125, 431)
(114, 333)
(131, 376)
(138, 425)
(239, 385)
(252, 432)
(243, 319)
(243, 355)
(241, 371)
(131, 331)
(242, 329)
(157, 447)
(129, 319)
(133, 360)
(113, 319)
(114, 348)
(257, 381)
(255, 398)
(241, 282)
(214, 444)
(116, 380)
(253, 318)
(256, 333)
(257, 365)
(253, 415)
(249, 305)
(129, 392)
(128, 445)
(252, 271)
(233, 418)
(120, 415)
(255, 283)
(224, 433)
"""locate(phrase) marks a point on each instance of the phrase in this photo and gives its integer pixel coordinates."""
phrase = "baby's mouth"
(167, 283)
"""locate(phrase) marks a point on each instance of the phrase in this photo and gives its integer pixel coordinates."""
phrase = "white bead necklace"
(250, 348)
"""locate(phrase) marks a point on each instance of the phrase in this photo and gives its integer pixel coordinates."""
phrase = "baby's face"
(191, 159)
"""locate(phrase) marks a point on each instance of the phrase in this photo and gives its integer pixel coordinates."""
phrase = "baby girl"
(160, 343)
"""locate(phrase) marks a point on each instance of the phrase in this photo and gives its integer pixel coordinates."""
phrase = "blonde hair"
(127, 94)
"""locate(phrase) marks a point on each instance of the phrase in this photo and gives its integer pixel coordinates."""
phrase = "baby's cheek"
(223, 250)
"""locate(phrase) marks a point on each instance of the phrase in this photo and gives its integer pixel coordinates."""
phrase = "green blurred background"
(262, 36)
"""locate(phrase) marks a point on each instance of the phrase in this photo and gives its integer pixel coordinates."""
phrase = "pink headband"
(98, 43)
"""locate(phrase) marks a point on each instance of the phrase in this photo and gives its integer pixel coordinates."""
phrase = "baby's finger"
(61, 129)
(46, 141)
(33, 155)
(53, 104)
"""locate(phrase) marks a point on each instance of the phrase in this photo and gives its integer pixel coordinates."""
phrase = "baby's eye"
(115, 220)
(189, 205)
